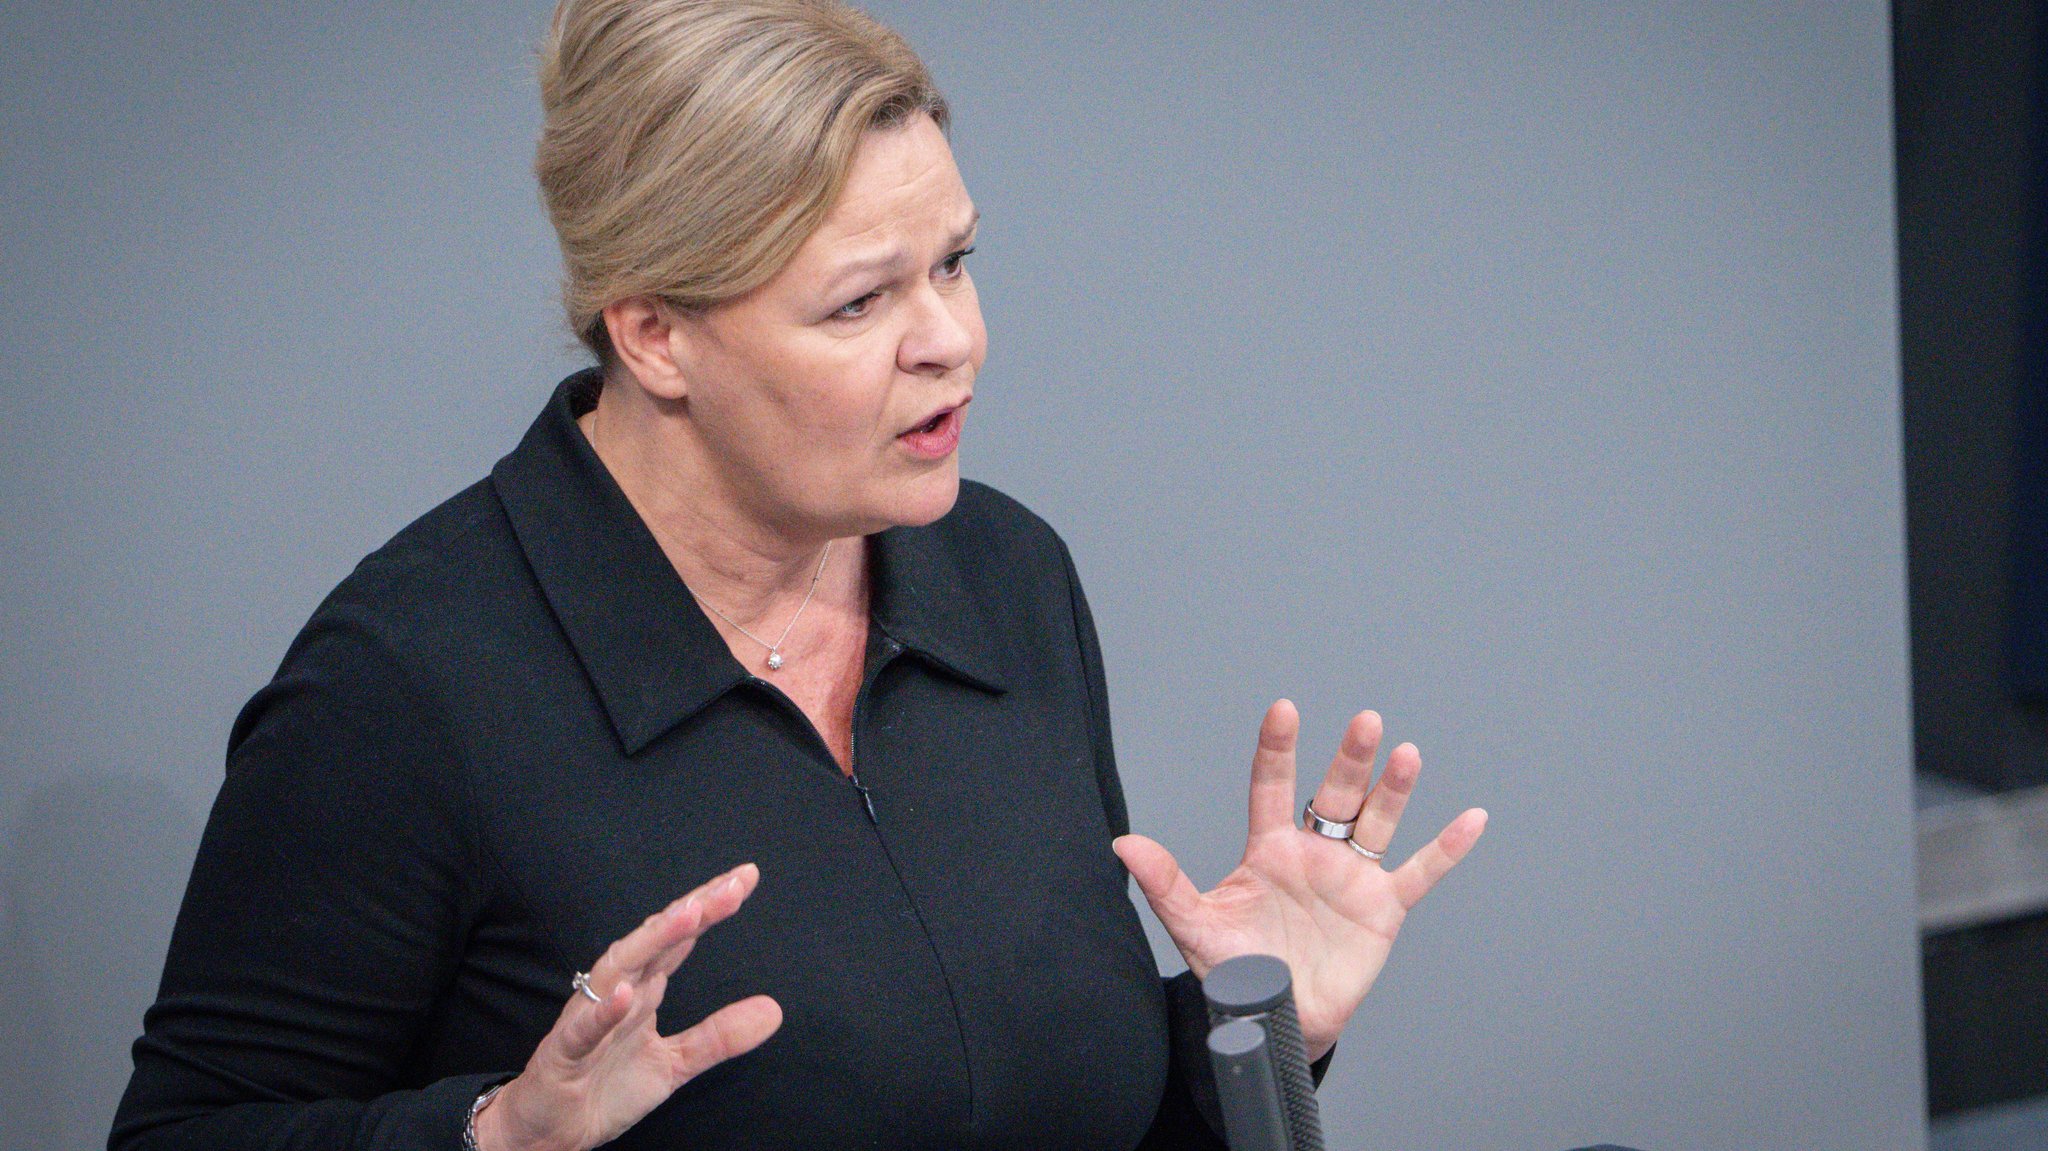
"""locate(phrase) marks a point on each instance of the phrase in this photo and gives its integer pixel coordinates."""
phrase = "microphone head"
(1248, 985)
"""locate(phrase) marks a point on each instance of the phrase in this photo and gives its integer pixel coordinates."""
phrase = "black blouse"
(511, 734)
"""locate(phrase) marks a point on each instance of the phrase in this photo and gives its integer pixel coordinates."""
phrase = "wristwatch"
(475, 1109)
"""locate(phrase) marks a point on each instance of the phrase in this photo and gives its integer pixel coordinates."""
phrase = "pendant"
(774, 661)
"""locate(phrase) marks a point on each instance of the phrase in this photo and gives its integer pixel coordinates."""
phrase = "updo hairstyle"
(690, 147)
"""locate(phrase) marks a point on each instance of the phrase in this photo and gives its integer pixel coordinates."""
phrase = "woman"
(728, 610)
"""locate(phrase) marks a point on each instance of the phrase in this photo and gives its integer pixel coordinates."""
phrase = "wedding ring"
(1368, 852)
(581, 984)
(1327, 828)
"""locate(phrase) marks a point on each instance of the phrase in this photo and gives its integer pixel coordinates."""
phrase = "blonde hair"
(689, 147)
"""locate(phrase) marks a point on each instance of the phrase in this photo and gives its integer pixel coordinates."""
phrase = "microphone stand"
(1262, 1076)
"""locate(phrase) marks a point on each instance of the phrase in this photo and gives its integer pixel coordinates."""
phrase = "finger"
(717, 902)
(660, 936)
(732, 1030)
(1389, 798)
(629, 955)
(1342, 792)
(1413, 879)
(583, 1024)
(1272, 806)
(1167, 888)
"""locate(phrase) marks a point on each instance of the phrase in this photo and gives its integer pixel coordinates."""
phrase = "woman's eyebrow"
(967, 233)
(890, 258)
(862, 266)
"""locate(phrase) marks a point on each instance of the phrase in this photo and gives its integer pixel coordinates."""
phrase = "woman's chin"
(928, 497)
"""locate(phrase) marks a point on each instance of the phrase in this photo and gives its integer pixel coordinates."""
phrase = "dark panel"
(1987, 1014)
(1964, 84)
(2027, 636)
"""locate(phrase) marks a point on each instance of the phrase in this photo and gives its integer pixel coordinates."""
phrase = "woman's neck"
(751, 570)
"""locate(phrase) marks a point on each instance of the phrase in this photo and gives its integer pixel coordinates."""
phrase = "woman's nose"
(941, 339)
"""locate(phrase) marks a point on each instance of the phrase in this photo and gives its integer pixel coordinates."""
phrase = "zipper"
(866, 799)
(890, 649)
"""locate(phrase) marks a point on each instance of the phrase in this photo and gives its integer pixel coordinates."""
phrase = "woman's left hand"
(1315, 902)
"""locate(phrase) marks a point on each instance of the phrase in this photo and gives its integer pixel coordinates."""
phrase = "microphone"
(1261, 1066)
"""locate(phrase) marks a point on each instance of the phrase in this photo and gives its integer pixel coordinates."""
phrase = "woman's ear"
(648, 340)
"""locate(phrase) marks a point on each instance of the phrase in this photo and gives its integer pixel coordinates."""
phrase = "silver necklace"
(775, 660)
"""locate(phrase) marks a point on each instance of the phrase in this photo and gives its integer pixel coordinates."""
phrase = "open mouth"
(938, 423)
(936, 437)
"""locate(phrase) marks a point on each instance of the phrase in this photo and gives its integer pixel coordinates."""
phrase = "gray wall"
(1525, 371)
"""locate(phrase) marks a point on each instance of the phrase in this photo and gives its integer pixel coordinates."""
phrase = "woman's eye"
(950, 266)
(854, 309)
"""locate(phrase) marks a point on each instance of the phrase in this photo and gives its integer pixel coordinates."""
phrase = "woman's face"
(831, 398)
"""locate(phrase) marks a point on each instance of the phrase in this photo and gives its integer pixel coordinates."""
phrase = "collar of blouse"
(654, 656)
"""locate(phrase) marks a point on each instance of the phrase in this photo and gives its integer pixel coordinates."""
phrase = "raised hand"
(1315, 902)
(603, 1066)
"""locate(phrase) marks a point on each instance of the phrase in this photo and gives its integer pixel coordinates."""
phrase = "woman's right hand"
(603, 1066)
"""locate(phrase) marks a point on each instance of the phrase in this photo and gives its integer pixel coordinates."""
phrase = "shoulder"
(991, 576)
(436, 577)
(1005, 552)
(435, 561)
(989, 527)
(405, 609)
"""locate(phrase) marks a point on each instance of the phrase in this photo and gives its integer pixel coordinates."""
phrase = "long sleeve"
(325, 914)
(1190, 1115)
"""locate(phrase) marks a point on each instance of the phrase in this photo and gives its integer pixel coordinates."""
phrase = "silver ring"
(1368, 852)
(1327, 828)
(581, 985)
